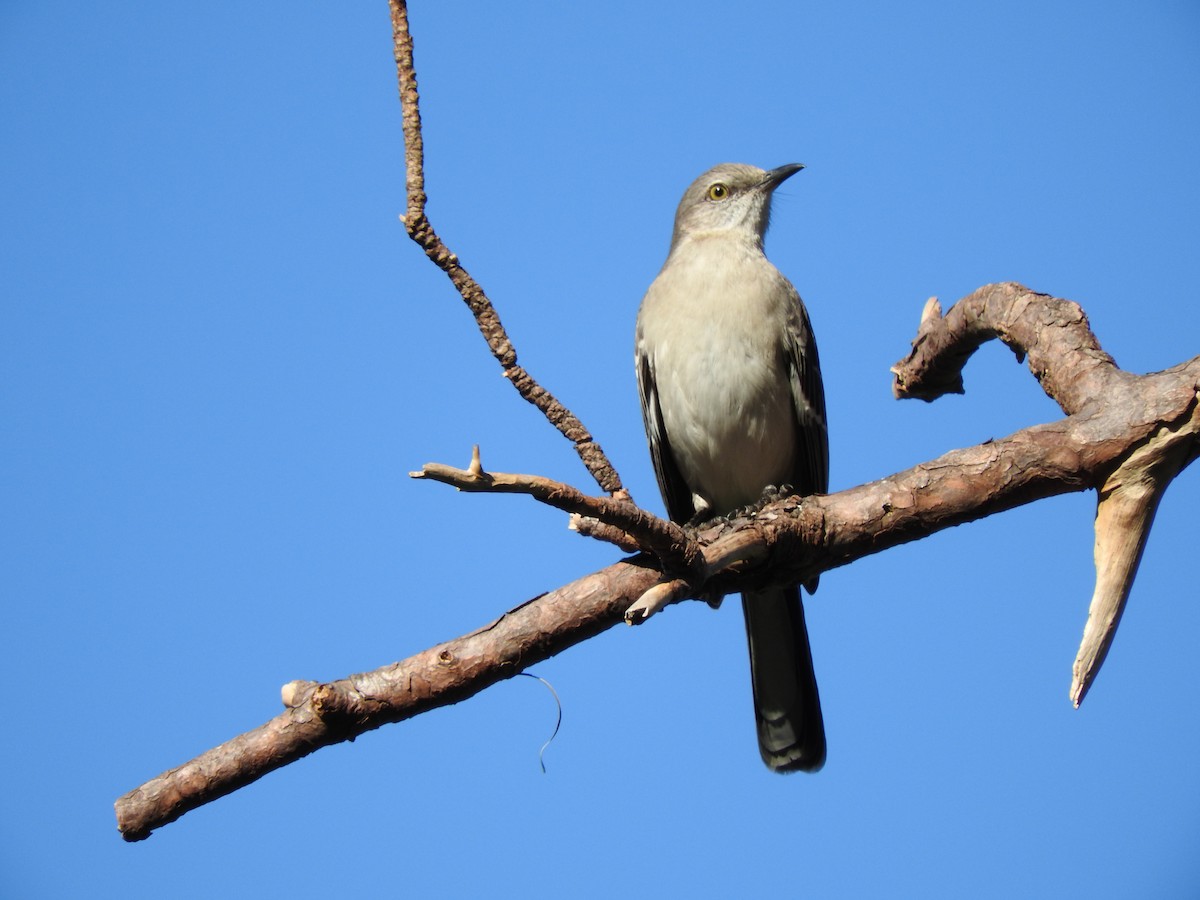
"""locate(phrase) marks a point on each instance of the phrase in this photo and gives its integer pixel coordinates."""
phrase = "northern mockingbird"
(733, 403)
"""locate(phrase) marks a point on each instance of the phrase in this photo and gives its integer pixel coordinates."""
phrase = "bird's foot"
(771, 493)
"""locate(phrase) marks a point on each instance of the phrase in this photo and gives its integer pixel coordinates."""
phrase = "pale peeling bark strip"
(1125, 508)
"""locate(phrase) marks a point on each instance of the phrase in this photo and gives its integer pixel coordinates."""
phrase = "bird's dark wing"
(811, 472)
(675, 493)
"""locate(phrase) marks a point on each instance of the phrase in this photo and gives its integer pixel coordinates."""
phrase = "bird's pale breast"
(730, 436)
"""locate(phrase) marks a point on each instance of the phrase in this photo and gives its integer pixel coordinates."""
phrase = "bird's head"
(731, 197)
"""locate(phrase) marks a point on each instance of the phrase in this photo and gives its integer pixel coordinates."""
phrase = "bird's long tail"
(791, 732)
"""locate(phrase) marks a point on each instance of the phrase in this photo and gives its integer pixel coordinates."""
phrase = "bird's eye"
(718, 191)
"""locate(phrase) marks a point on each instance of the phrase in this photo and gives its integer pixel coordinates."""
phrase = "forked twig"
(676, 551)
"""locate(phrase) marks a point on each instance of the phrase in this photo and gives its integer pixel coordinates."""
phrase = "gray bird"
(732, 402)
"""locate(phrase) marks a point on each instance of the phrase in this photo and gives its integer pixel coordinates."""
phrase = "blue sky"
(220, 356)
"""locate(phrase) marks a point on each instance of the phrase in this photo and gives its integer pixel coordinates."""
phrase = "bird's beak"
(776, 177)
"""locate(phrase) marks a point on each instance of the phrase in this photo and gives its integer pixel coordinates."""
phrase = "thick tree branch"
(787, 541)
(322, 714)
(420, 229)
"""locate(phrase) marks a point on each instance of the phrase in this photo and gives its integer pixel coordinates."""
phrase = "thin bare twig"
(677, 553)
(419, 228)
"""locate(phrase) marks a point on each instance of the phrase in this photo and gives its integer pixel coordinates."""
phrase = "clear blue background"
(220, 356)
